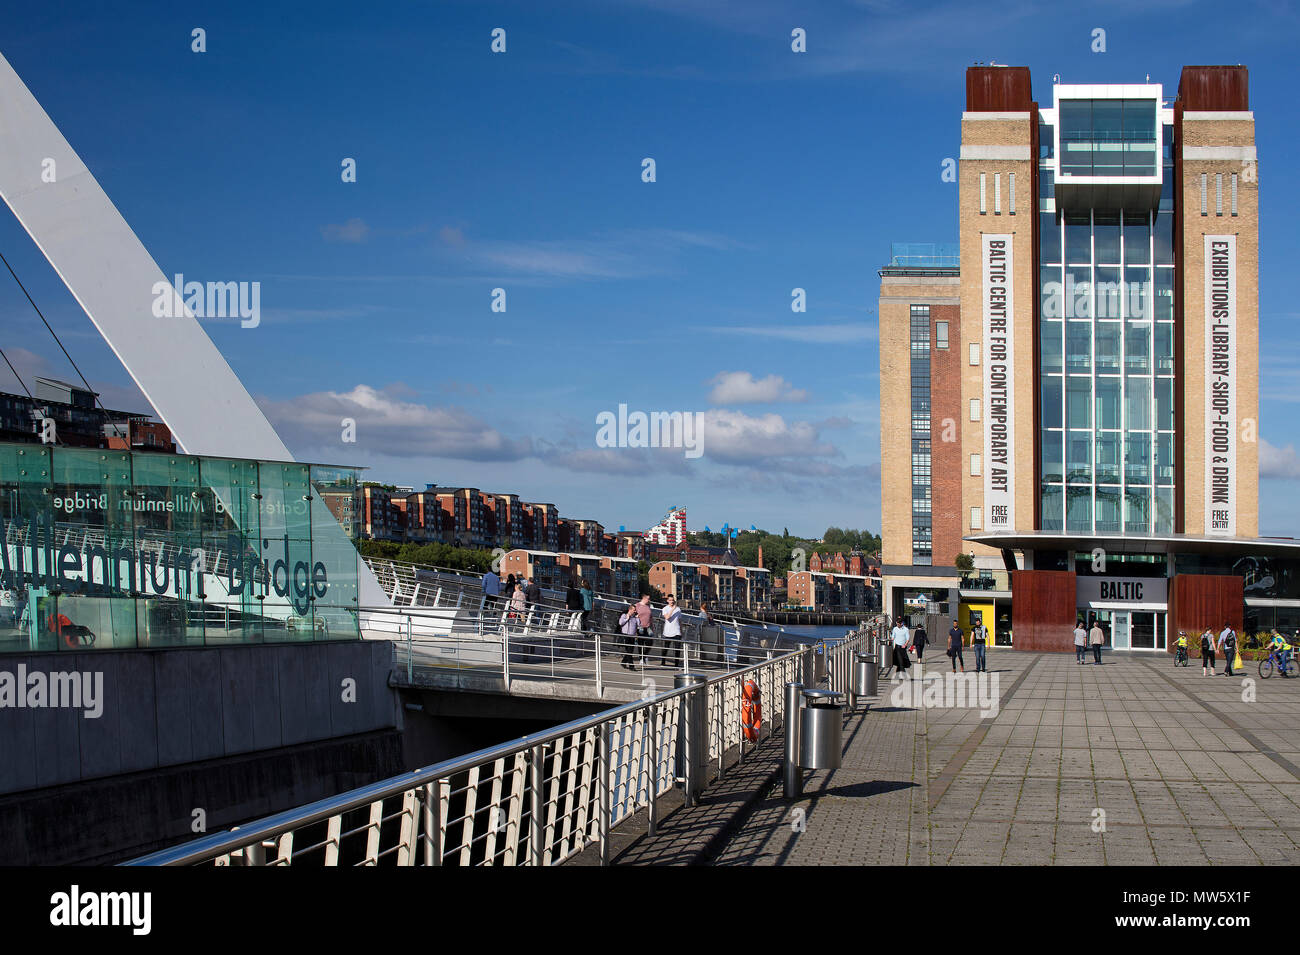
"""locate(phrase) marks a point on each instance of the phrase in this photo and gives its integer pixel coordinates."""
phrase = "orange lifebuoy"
(751, 710)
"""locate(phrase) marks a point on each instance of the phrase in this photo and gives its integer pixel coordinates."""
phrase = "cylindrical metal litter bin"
(865, 674)
(821, 729)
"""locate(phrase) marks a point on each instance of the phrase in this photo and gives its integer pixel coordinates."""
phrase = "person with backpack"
(1207, 652)
(1228, 644)
(588, 603)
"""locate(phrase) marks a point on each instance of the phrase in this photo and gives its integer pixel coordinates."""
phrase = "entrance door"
(1119, 629)
(1142, 630)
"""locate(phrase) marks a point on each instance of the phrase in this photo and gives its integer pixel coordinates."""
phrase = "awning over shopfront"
(1133, 544)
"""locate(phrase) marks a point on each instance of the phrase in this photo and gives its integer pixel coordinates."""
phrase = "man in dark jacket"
(954, 647)
(919, 640)
(532, 593)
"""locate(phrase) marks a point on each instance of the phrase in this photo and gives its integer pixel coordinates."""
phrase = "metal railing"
(552, 647)
(536, 800)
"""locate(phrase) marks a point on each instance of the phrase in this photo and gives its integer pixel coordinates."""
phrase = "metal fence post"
(652, 726)
(600, 685)
(410, 658)
(602, 806)
(536, 757)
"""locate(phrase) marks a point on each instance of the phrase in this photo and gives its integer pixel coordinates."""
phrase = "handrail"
(656, 722)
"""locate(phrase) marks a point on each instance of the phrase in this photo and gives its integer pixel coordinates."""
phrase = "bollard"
(692, 743)
(792, 775)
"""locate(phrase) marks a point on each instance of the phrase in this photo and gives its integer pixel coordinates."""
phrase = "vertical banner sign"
(999, 408)
(1220, 389)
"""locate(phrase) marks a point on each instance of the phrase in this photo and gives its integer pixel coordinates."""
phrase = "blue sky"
(522, 171)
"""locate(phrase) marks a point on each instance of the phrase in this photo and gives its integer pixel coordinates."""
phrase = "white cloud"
(733, 437)
(354, 230)
(1281, 463)
(624, 254)
(741, 387)
(385, 424)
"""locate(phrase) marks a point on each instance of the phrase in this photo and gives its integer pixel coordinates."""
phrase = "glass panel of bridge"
(335, 596)
(286, 550)
(230, 527)
(171, 508)
(96, 567)
(25, 504)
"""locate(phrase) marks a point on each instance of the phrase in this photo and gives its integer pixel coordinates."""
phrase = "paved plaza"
(1133, 762)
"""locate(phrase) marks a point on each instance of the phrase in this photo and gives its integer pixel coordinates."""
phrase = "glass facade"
(922, 527)
(1108, 137)
(115, 549)
(1106, 356)
(1106, 339)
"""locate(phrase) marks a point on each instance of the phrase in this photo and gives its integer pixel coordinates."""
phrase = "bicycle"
(1180, 657)
(1273, 661)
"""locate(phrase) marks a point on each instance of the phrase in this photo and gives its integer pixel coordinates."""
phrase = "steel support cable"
(57, 340)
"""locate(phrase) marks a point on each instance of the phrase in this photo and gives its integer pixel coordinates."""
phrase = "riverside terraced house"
(1070, 395)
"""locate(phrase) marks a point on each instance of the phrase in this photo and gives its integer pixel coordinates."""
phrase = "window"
(941, 335)
(974, 353)
(1203, 195)
(974, 409)
(1234, 193)
(997, 193)
(1218, 193)
(983, 205)
(1011, 188)
(974, 465)
(976, 519)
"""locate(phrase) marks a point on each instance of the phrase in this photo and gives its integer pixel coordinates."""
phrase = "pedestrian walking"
(643, 614)
(573, 599)
(672, 630)
(954, 648)
(1207, 652)
(901, 638)
(588, 604)
(491, 588)
(1080, 642)
(919, 640)
(628, 623)
(1096, 638)
(532, 593)
(979, 641)
(1228, 644)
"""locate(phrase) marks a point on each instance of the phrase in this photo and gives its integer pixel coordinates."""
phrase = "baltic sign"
(999, 408)
(1129, 592)
(1220, 390)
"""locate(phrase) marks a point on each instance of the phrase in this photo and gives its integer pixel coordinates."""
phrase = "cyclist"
(1282, 651)
(1180, 646)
